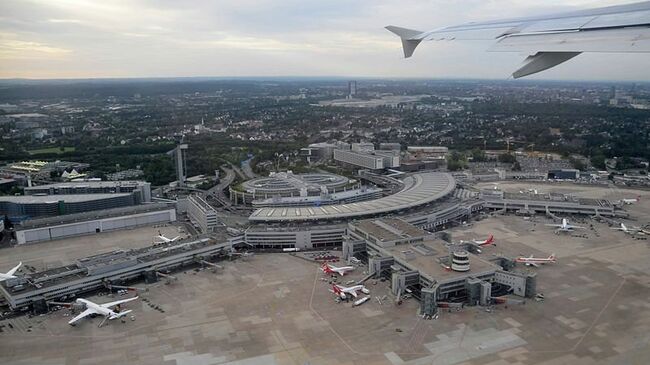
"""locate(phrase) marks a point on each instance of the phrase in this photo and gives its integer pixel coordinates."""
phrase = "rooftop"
(419, 189)
(72, 198)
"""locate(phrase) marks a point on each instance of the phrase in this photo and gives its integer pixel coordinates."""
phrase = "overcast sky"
(169, 38)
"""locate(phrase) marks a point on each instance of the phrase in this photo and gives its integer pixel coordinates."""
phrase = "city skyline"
(141, 39)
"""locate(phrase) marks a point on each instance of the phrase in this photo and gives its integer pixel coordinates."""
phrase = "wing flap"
(635, 39)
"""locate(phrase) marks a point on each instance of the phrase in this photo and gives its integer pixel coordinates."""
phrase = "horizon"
(85, 39)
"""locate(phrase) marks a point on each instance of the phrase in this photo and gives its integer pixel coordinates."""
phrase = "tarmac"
(276, 309)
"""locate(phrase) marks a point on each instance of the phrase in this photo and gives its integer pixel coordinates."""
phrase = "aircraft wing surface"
(83, 314)
(117, 302)
(552, 39)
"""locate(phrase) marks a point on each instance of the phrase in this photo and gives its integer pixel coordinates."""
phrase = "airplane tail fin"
(409, 38)
(552, 257)
(490, 239)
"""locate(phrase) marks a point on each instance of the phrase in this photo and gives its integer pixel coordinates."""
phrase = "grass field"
(51, 150)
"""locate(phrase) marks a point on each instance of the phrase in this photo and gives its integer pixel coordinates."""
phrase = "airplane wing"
(552, 39)
(353, 293)
(83, 314)
(554, 225)
(13, 271)
(534, 264)
(117, 302)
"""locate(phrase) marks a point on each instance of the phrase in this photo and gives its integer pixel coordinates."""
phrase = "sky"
(247, 38)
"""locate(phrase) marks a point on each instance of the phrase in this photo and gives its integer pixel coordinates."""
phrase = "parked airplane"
(330, 269)
(632, 230)
(629, 201)
(102, 309)
(565, 226)
(486, 242)
(342, 291)
(536, 261)
(10, 274)
(164, 239)
(550, 40)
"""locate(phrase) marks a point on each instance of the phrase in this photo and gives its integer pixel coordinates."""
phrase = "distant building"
(318, 151)
(564, 174)
(20, 208)
(352, 89)
(141, 190)
(201, 213)
(125, 175)
(428, 152)
(180, 162)
(359, 159)
(363, 147)
(390, 146)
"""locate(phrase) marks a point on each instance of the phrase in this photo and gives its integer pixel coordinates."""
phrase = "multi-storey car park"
(288, 184)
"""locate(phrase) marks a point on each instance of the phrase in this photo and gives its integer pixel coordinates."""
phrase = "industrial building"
(416, 261)
(201, 213)
(45, 229)
(99, 271)
(20, 208)
(288, 184)
(140, 189)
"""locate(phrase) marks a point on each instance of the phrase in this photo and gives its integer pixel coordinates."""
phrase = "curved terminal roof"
(419, 189)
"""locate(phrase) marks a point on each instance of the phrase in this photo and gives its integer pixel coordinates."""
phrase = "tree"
(507, 158)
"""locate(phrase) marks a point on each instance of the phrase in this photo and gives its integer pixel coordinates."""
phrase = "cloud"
(143, 38)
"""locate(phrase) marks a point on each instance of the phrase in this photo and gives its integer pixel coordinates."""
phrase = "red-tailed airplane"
(480, 243)
(342, 291)
(488, 241)
(536, 261)
(331, 269)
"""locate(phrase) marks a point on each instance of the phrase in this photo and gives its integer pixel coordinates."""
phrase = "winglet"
(409, 38)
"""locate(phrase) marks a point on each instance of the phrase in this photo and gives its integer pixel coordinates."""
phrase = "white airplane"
(102, 309)
(629, 201)
(565, 226)
(330, 269)
(10, 274)
(342, 291)
(536, 261)
(550, 40)
(164, 239)
(631, 231)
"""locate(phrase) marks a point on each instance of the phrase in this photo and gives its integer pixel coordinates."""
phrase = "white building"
(359, 159)
(201, 213)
